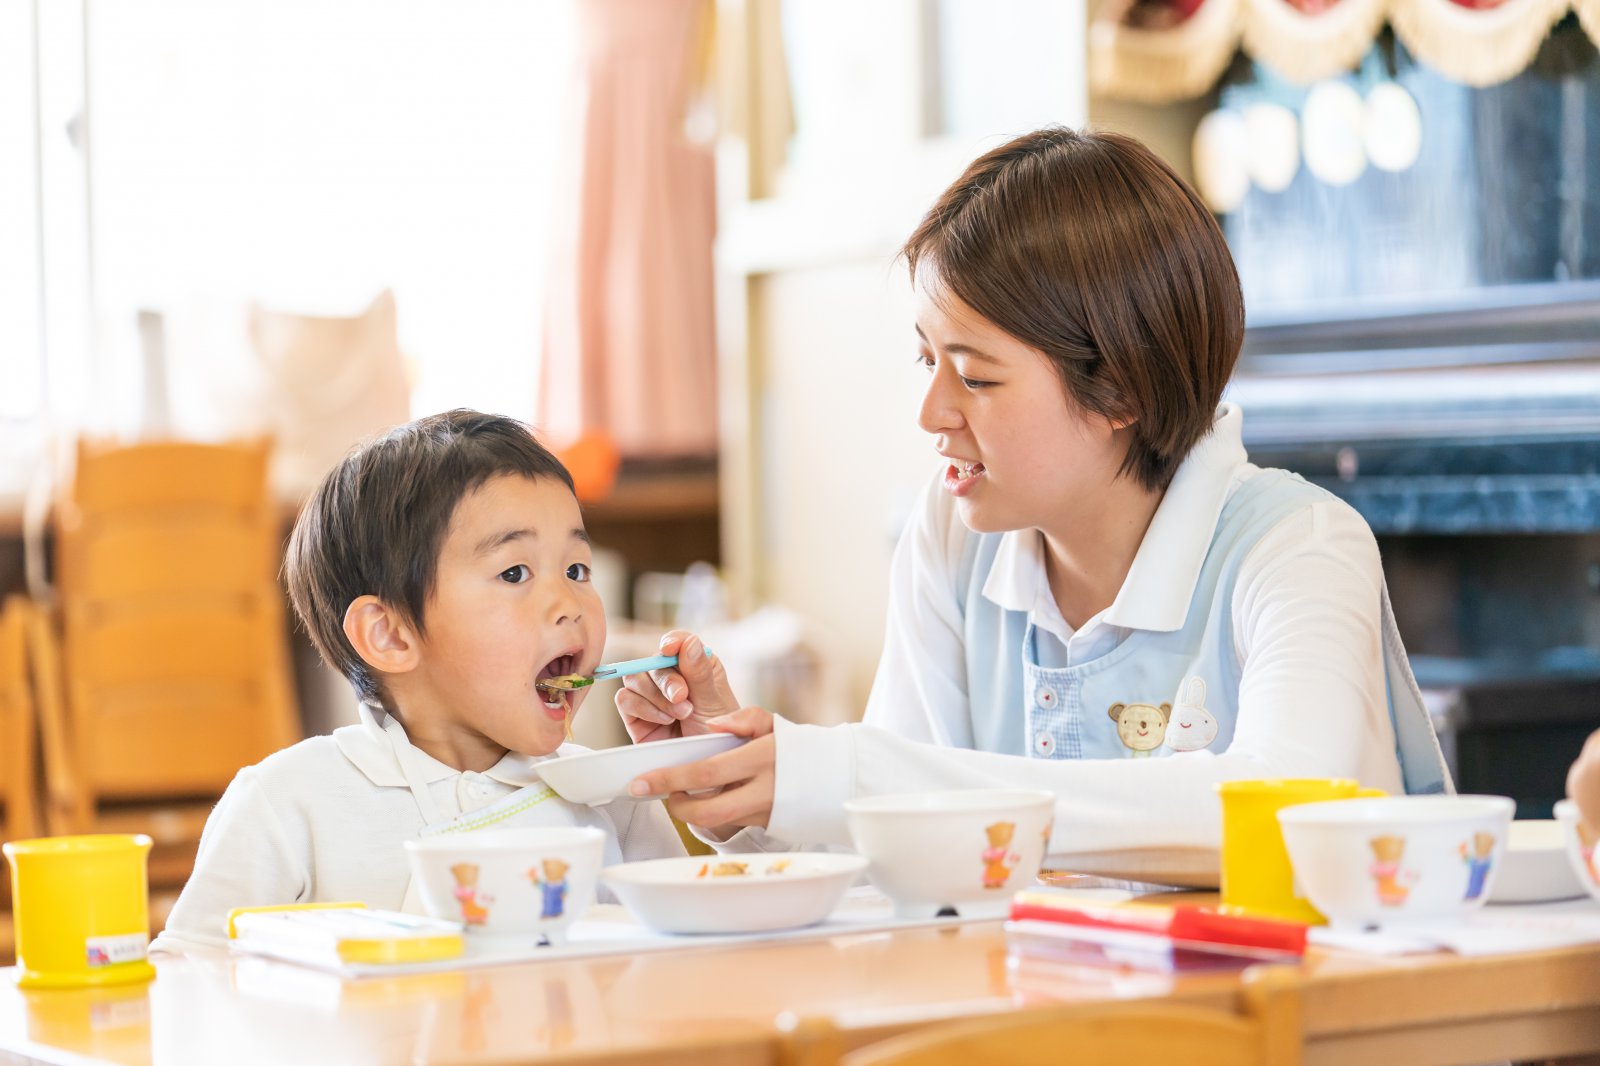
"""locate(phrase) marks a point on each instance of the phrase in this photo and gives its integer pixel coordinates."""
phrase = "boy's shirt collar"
(368, 745)
(1156, 593)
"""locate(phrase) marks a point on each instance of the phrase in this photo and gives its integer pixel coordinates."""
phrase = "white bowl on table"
(1535, 868)
(1580, 848)
(1397, 860)
(965, 851)
(734, 893)
(526, 882)
(597, 777)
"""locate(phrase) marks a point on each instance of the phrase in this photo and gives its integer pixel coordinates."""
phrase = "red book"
(1184, 923)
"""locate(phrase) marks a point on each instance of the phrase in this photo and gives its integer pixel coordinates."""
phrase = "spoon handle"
(637, 666)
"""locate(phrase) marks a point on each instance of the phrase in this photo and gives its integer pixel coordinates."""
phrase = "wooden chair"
(1267, 1032)
(173, 659)
(18, 781)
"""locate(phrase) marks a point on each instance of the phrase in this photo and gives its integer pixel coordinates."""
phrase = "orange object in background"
(593, 461)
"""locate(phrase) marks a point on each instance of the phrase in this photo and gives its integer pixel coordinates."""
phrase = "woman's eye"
(578, 572)
(516, 575)
(973, 383)
(925, 360)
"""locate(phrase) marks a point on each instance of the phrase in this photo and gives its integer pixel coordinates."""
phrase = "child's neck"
(455, 747)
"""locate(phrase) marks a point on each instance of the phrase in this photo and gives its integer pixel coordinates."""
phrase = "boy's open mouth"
(555, 698)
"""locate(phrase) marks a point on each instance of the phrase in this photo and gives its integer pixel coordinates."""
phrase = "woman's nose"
(937, 414)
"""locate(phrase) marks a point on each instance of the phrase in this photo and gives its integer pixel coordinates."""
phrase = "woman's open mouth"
(961, 476)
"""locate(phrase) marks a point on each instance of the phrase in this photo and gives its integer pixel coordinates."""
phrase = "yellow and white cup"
(1257, 879)
(82, 910)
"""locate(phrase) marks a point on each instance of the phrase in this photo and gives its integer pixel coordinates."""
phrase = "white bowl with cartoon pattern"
(527, 882)
(966, 851)
(1397, 860)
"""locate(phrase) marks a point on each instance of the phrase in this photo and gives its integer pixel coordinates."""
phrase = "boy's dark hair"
(1088, 247)
(377, 522)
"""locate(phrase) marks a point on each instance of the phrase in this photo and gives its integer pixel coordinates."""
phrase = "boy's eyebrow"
(959, 349)
(496, 540)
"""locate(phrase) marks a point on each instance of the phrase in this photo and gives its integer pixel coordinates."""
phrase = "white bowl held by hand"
(1580, 845)
(1535, 867)
(596, 777)
(734, 893)
(1397, 860)
(520, 882)
(965, 850)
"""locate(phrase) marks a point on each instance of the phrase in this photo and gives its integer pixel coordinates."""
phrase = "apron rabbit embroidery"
(1192, 727)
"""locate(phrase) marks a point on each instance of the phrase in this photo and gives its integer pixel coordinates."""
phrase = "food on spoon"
(565, 682)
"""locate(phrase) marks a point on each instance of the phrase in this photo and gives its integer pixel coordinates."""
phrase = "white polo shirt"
(326, 820)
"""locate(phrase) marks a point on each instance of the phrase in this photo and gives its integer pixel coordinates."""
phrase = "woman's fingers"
(719, 771)
(747, 800)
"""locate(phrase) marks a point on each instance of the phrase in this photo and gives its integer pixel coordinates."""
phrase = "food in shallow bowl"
(734, 893)
(596, 777)
(1397, 860)
(1580, 847)
(964, 851)
(1535, 867)
(527, 882)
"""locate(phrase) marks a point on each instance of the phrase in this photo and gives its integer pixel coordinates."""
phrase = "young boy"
(444, 570)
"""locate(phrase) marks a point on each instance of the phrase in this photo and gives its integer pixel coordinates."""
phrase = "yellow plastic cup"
(1257, 879)
(82, 910)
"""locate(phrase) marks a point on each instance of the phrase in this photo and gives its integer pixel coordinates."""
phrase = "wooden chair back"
(173, 641)
(1266, 1032)
(18, 779)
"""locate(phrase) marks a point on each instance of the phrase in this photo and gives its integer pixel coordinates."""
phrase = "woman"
(1100, 595)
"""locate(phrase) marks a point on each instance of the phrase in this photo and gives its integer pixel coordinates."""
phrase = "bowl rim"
(1361, 810)
(848, 862)
(924, 803)
(510, 838)
(632, 749)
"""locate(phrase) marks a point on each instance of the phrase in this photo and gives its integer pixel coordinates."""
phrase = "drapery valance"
(1162, 50)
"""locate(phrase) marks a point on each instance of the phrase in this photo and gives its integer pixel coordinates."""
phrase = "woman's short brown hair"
(1089, 248)
(377, 522)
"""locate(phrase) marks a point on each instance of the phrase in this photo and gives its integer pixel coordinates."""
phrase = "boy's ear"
(380, 635)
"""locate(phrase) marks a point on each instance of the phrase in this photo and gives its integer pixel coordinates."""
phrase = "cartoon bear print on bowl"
(1478, 855)
(474, 901)
(996, 872)
(1191, 727)
(552, 886)
(1140, 726)
(1393, 883)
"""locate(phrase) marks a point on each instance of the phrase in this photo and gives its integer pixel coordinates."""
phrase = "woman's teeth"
(968, 469)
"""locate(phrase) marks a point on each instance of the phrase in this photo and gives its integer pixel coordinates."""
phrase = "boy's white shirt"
(1312, 698)
(326, 820)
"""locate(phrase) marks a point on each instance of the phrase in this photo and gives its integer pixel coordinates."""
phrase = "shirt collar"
(376, 744)
(1156, 593)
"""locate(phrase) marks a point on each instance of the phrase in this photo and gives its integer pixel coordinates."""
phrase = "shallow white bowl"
(966, 850)
(778, 890)
(595, 777)
(1535, 867)
(1397, 860)
(1582, 855)
(509, 882)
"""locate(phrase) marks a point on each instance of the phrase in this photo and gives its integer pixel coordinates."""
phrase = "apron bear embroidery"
(1140, 726)
(1192, 726)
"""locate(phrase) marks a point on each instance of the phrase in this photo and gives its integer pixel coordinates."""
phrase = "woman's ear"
(381, 636)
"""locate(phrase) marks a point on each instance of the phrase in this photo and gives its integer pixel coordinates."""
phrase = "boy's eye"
(578, 572)
(516, 575)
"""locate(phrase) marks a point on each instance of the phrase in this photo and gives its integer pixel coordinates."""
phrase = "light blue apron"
(1156, 694)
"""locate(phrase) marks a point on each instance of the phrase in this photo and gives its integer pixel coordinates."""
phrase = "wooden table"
(725, 1005)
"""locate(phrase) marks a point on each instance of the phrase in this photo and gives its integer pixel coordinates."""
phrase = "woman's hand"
(680, 702)
(742, 779)
(1583, 781)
